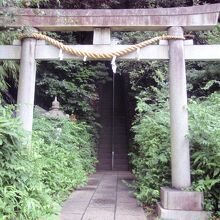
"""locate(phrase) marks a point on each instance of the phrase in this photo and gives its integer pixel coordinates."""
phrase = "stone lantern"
(55, 111)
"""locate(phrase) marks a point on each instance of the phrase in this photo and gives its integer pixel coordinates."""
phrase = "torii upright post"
(177, 202)
(180, 159)
(26, 85)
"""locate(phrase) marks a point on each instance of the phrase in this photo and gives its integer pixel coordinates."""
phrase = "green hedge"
(34, 182)
(151, 155)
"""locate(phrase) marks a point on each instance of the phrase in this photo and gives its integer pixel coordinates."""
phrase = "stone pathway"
(105, 197)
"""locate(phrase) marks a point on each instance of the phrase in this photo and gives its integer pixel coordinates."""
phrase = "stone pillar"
(26, 84)
(180, 160)
(175, 202)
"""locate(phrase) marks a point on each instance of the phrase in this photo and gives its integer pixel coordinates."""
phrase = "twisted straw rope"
(98, 55)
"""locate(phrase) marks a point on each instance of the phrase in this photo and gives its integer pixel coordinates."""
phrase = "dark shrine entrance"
(113, 140)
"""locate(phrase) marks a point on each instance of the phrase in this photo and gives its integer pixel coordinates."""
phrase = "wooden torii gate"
(176, 203)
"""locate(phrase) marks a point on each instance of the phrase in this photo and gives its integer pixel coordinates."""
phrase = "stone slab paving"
(106, 197)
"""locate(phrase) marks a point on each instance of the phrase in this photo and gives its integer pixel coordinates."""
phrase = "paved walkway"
(106, 197)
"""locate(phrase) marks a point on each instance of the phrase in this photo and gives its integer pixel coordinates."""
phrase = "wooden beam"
(151, 52)
(190, 18)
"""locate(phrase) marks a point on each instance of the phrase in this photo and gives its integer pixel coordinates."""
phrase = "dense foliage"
(75, 83)
(150, 136)
(151, 129)
(34, 181)
(151, 159)
(151, 156)
(8, 70)
(205, 148)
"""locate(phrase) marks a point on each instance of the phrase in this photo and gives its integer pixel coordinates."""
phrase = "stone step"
(106, 121)
(120, 144)
(108, 156)
(122, 134)
(104, 151)
(105, 155)
(107, 117)
(119, 119)
(106, 160)
(121, 167)
(121, 162)
(119, 151)
(121, 156)
(104, 167)
(102, 160)
(120, 147)
(107, 131)
(109, 127)
(124, 167)
(105, 144)
(104, 137)
(118, 157)
(108, 134)
(120, 139)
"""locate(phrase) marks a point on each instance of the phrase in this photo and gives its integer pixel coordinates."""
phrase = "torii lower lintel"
(151, 52)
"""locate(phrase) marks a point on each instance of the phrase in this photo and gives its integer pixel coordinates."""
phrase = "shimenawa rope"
(97, 55)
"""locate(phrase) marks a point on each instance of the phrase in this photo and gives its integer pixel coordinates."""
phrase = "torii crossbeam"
(190, 18)
(175, 202)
